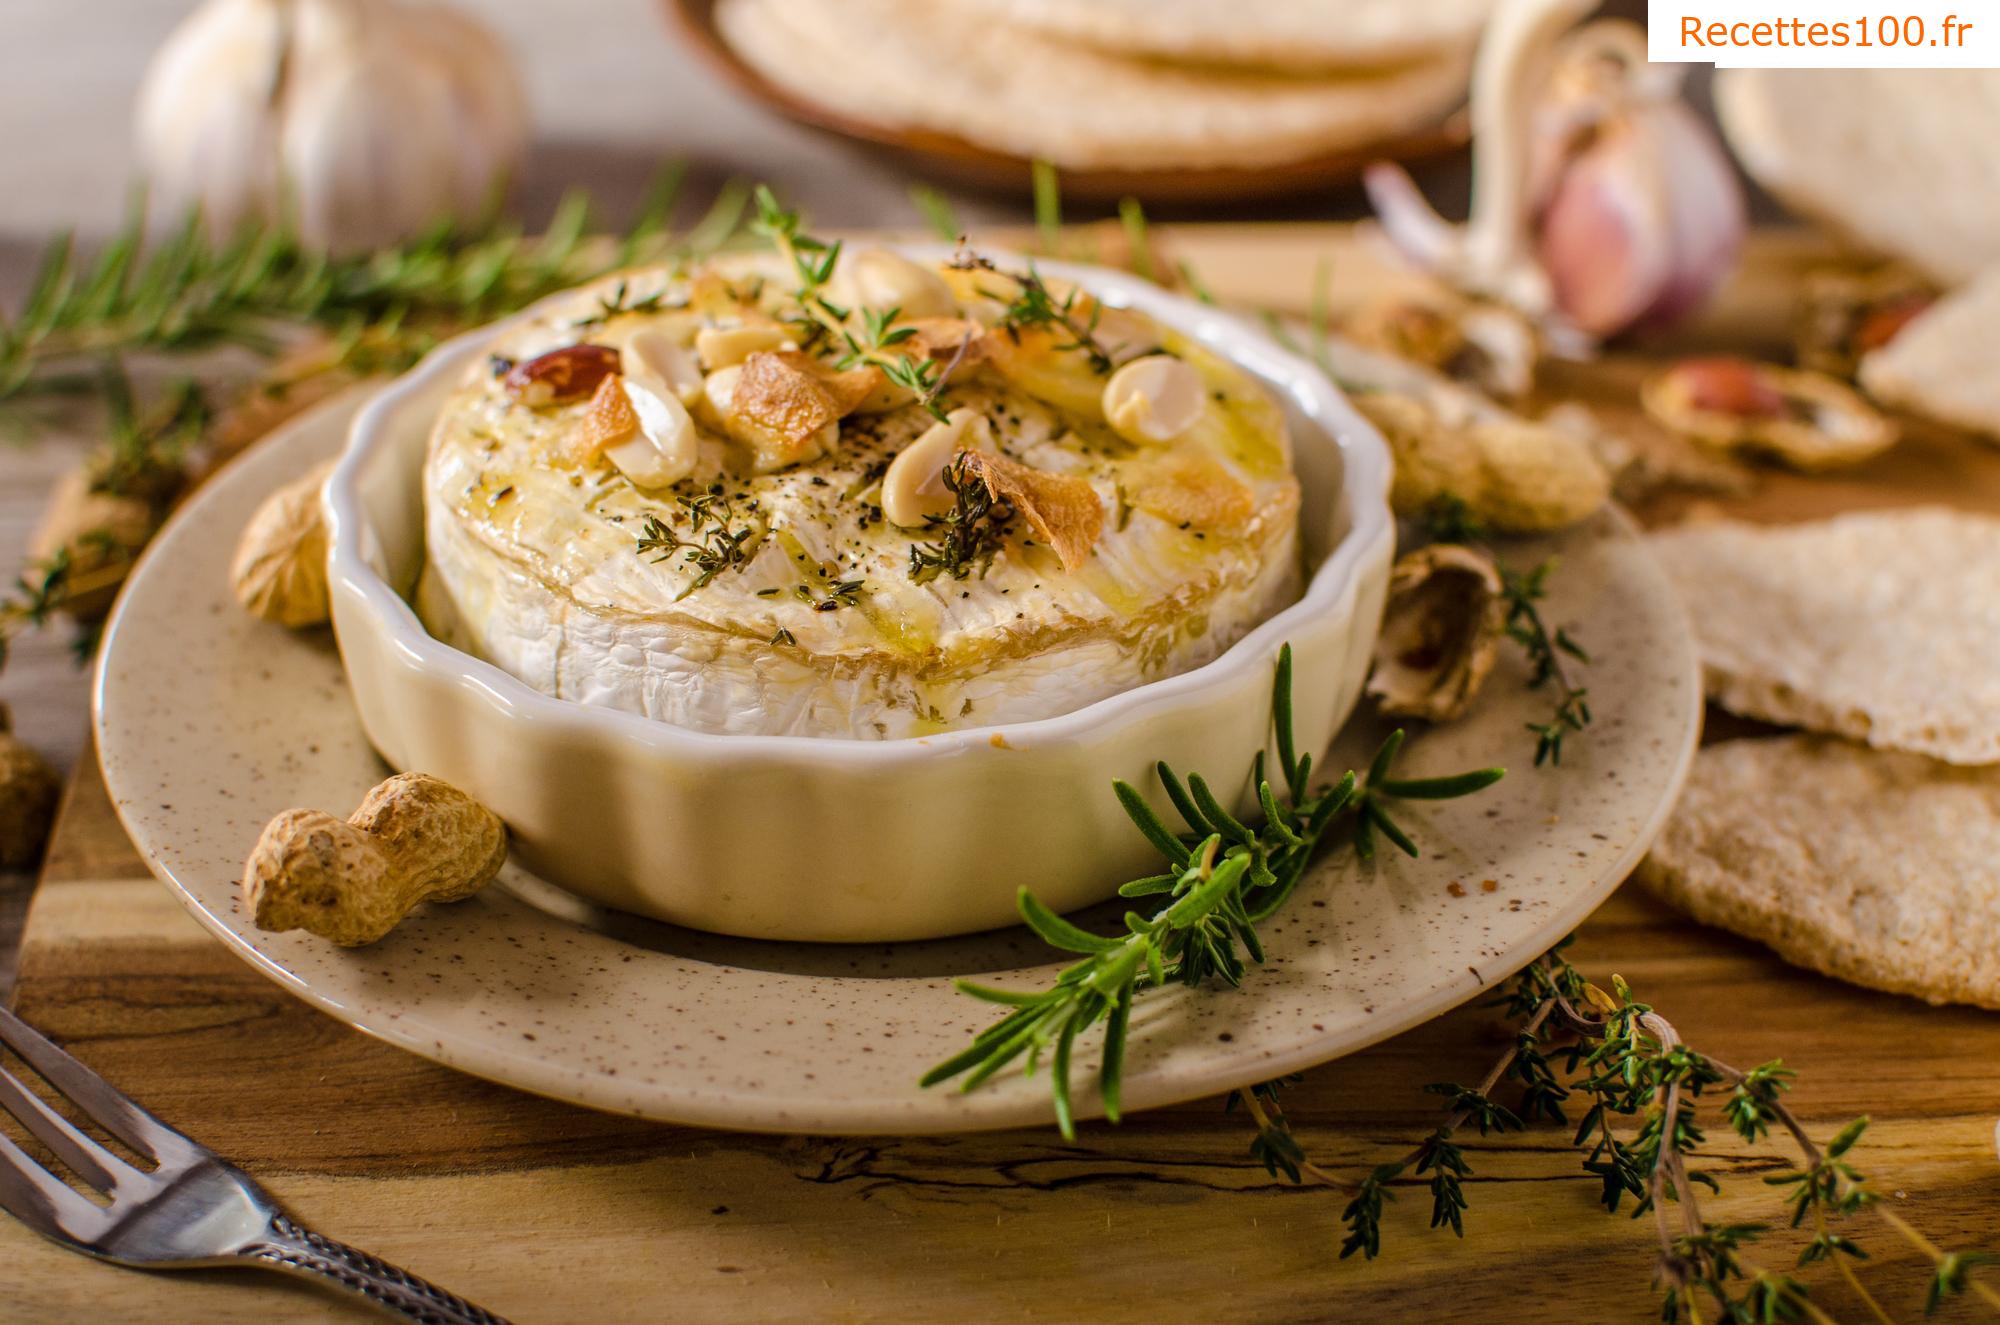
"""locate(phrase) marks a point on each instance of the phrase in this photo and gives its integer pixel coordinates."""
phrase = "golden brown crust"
(1193, 489)
(780, 406)
(608, 421)
(945, 338)
(1064, 510)
(845, 388)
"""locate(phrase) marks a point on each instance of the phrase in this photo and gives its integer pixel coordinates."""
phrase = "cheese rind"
(818, 626)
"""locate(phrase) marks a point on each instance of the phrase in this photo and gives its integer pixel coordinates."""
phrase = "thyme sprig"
(714, 542)
(1222, 878)
(851, 338)
(1631, 1066)
(1031, 303)
(1549, 655)
(1551, 652)
(969, 535)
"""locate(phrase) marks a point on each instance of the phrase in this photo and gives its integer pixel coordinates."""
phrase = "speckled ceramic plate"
(530, 987)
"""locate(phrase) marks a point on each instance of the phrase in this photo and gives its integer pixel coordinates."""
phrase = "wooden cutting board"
(546, 1212)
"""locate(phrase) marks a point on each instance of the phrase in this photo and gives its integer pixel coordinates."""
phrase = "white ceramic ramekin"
(786, 837)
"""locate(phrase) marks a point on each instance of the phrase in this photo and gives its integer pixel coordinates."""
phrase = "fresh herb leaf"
(968, 536)
(1220, 885)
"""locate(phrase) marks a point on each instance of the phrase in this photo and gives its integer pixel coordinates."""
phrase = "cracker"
(932, 67)
(1882, 626)
(1878, 868)
(1278, 34)
(1941, 364)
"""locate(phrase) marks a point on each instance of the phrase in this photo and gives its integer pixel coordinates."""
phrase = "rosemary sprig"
(1048, 205)
(1222, 878)
(1629, 1063)
(194, 292)
(147, 448)
(712, 545)
(969, 535)
(938, 213)
(37, 594)
(620, 303)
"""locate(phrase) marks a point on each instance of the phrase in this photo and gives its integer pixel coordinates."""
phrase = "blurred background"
(615, 90)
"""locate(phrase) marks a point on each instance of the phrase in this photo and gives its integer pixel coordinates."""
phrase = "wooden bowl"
(949, 159)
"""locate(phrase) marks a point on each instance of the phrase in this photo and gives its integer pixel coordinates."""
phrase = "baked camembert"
(854, 495)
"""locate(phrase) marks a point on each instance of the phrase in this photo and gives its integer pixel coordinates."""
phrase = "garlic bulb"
(1600, 202)
(362, 121)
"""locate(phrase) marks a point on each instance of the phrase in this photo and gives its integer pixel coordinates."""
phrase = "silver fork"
(193, 1211)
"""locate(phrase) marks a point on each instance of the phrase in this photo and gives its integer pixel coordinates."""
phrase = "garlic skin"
(1601, 203)
(1441, 632)
(361, 121)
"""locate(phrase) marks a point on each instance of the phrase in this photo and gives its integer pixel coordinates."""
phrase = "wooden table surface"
(547, 1212)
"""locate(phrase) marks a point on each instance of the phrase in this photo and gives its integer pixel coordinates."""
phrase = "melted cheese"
(537, 567)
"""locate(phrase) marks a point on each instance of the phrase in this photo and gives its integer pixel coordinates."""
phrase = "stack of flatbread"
(1902, 162)
(1871, 851)
(1122, 84)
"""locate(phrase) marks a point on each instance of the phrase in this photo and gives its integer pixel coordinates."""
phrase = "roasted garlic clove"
(718, 397)
(1154, 399)
(913, 487)
(786, 407)
(279, 572)
(1440, 633)
(650, 352)
(648, 434)
(725, 347)
(885, 282)
(1805, 420)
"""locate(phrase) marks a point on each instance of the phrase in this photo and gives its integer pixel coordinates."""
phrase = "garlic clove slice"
(718, 397)
(882, 281)
(914, 487)
(662, 452)
(726, 347)
(1123, 334)
(1154, 399)
(651, 352)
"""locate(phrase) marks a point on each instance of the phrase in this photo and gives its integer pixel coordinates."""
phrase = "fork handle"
(294, 1248)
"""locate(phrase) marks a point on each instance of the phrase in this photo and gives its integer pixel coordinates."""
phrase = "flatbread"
(1904, 161)
(1882, 626)
(1276, 34)
(914, 64)
(1876, 868)
(1941, 364)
